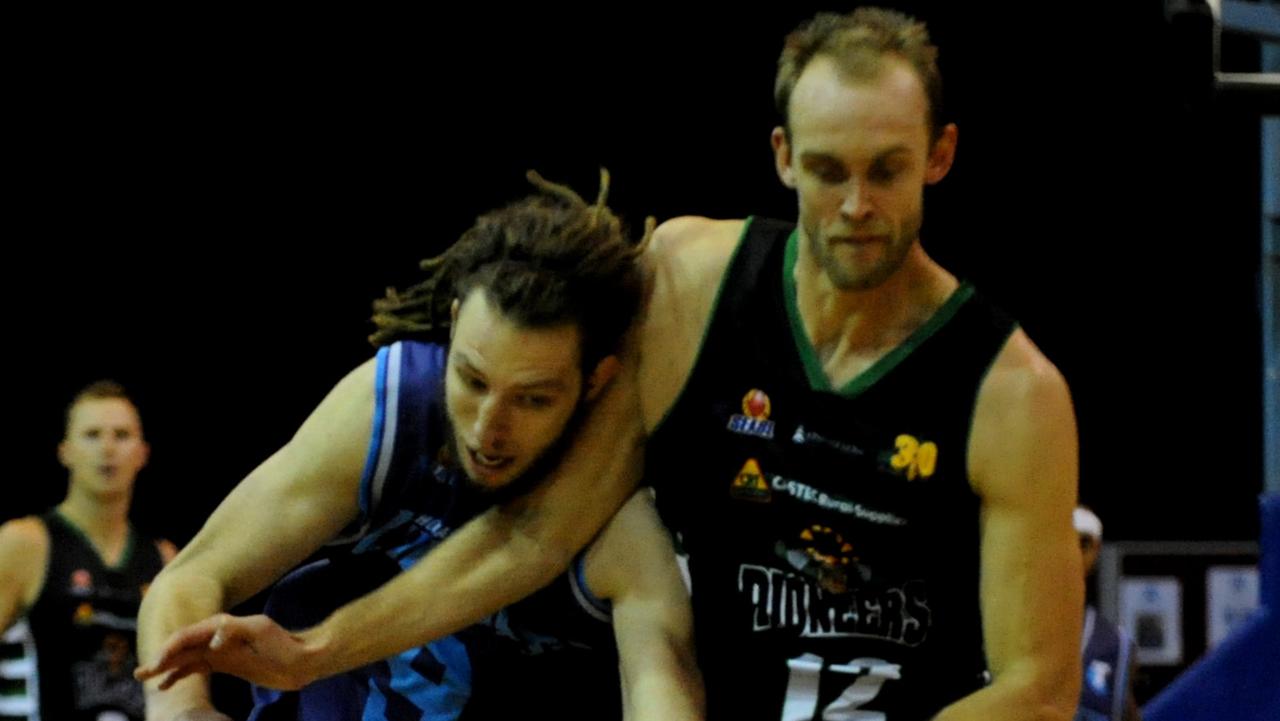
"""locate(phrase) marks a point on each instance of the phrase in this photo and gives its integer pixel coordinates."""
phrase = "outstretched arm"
(508, 552)
(283, 511)
(501, 556)
(494, 560)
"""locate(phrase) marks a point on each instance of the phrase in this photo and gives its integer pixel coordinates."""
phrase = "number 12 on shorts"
(864, 677)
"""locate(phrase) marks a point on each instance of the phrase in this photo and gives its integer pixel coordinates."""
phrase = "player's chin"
(491, 476)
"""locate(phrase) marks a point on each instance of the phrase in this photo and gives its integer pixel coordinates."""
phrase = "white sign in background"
(1232, 597)
(1151, 611)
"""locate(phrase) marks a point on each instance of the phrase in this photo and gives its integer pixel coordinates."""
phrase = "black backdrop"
(203, 206)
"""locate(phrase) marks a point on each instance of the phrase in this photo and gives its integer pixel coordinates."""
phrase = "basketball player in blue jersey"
(1109, 654)
(78, 572)
(872, 468)
(485, 367)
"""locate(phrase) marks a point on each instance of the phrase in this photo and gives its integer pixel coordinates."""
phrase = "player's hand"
(254, 648)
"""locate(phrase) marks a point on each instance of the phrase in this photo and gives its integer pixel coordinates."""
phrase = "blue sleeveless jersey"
(411, 498)
(1107, 653)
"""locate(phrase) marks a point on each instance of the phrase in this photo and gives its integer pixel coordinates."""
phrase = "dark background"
(203, 206)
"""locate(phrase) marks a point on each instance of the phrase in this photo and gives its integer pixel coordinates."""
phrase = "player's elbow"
(544, 540)
(1055, 711)
(541, 549)
(1065, 699)
(1048, 694)
(177, 588)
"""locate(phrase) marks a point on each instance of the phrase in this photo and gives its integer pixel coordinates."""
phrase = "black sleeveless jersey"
(832, 533)
(85, 625)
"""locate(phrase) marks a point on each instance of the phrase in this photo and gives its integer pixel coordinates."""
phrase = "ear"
(782, 156)
(146, 455)
(453, 316)
(604, 372)
(942, 155)
(62, 454)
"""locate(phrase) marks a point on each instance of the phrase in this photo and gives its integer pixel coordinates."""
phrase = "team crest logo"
(804, 436)
(750, 485)
(823, 554)
(754, 419)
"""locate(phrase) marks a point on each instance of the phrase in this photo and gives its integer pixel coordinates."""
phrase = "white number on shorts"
(802, 689)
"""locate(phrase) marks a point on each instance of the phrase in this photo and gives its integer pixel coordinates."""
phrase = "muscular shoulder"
(1023, 415)
(692, 232)
(26, 533)
(346, 409)
(694, 249)
(24, 553)
(1022, 375)
(687, 258)
(634, 552)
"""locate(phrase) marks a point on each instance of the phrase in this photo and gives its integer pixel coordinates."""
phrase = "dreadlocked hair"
(547, 259)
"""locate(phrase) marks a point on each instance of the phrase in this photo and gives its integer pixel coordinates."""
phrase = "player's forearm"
(1035, 664)
(187, 699)
(497, 558)
(668, 687)
(483, 567)
(174, 600)
(663, 702)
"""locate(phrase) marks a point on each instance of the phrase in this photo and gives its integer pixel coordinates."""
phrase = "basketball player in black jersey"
(78, 572)
(889, 460)
(872, 468)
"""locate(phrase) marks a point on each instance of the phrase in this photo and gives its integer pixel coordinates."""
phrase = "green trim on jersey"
(818, 380)
(125, 557)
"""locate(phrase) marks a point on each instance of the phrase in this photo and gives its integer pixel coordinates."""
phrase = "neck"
(104, 520)
(875, 319)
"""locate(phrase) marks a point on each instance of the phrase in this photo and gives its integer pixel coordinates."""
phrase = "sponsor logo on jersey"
(789, 601)
(84, 615)
(754, 419)
(806, 437)
(911, 458)
(405, 538)
(806, 493)
(750, 484)
(756, 405)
